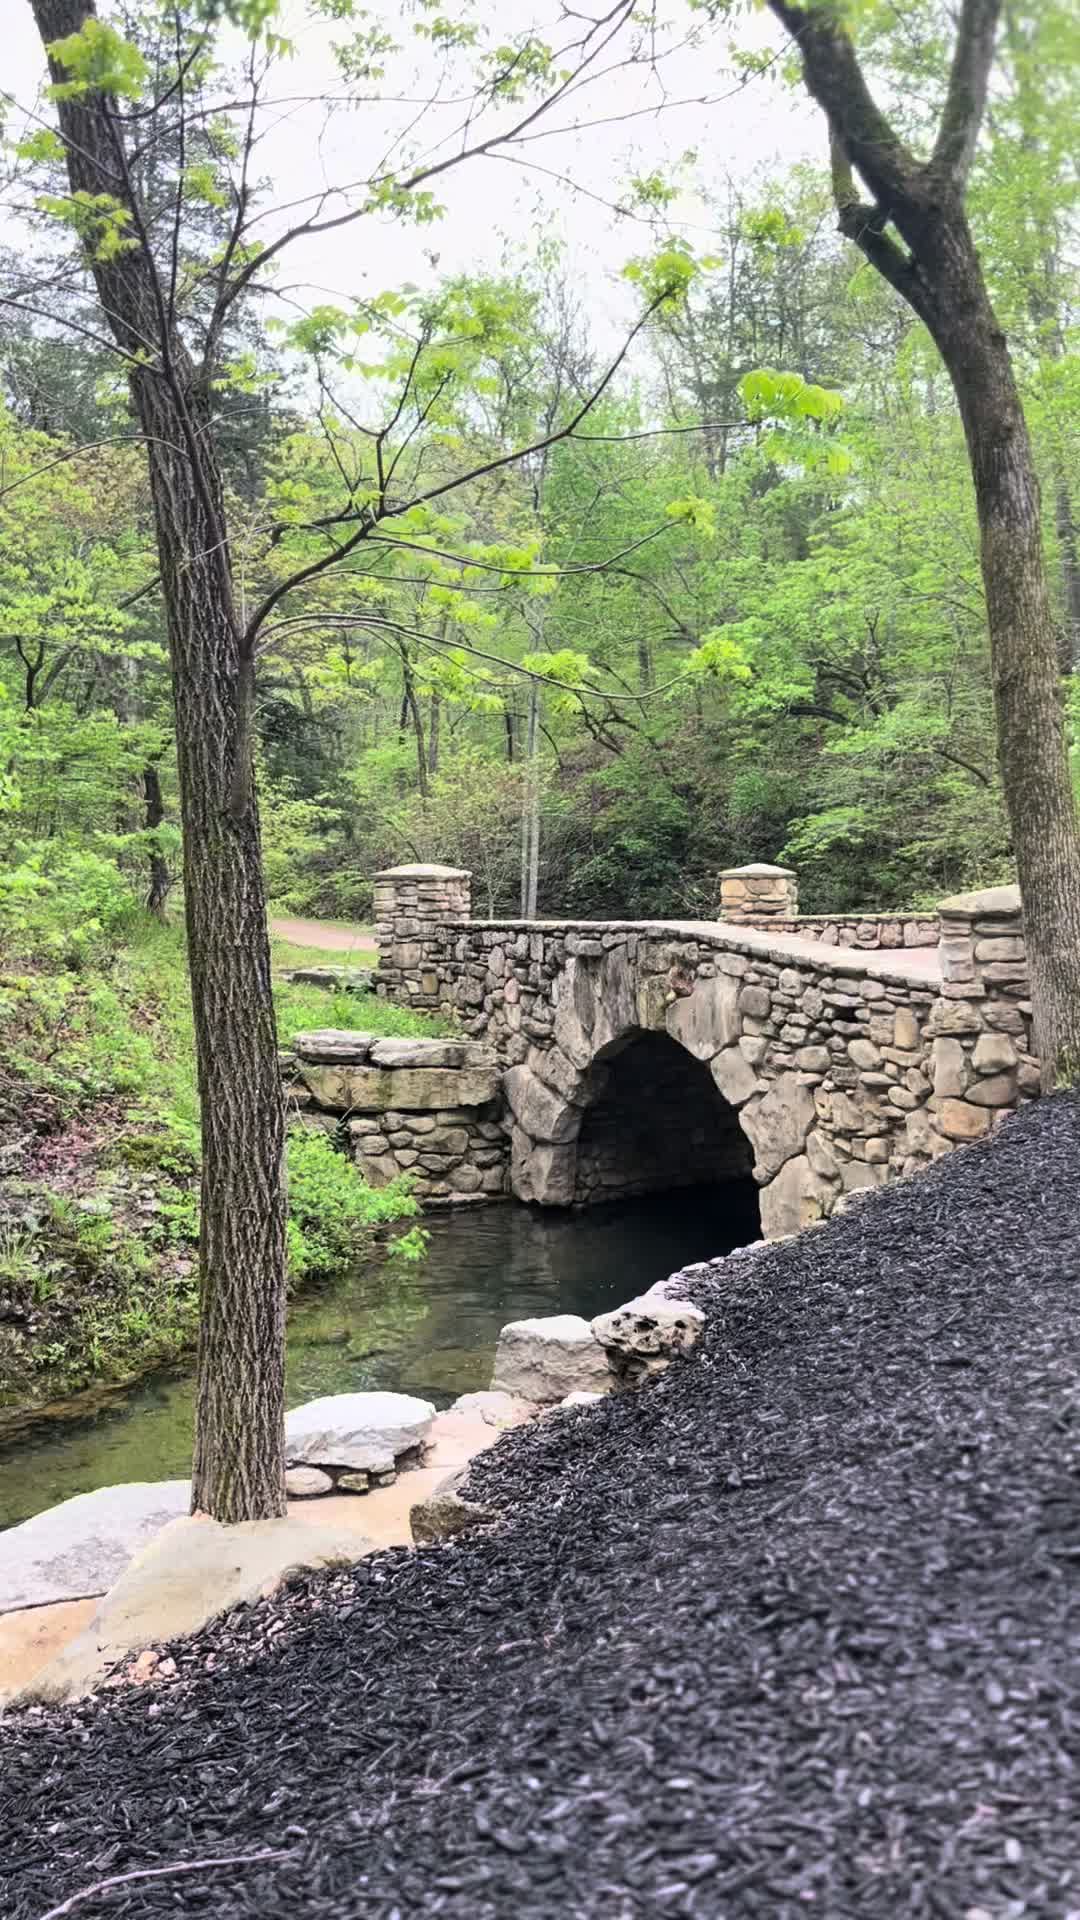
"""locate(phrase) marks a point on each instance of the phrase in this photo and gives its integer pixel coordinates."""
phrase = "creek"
(428, 1329)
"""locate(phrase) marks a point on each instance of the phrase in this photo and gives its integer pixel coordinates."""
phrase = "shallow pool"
(428, 1329)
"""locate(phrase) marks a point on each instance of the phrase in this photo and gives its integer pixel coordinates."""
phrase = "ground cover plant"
(793, 1629)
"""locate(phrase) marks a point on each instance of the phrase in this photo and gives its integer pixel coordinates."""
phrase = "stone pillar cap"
(424, 870)
(991, 900)
(758, 867)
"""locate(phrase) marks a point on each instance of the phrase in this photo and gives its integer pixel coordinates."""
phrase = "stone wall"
(429, 1108)
(843, 1075)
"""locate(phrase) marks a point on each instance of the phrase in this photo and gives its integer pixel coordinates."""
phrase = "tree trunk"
(411, 706)
(434, 716)
(160, 877)
(530, 811)
(1023, 643)
(238, 1470)
(1070, 577)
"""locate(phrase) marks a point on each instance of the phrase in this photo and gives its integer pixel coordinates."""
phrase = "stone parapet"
(868, 931)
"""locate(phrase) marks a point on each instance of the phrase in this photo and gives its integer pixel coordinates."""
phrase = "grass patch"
(285, 954)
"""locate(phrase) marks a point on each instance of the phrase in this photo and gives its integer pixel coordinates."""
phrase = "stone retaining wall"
(842, 1076)
(429, 1108)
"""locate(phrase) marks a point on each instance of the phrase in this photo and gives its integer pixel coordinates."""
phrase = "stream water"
(428, 1329)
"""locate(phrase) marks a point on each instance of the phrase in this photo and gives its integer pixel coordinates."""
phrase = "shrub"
(333, 1213)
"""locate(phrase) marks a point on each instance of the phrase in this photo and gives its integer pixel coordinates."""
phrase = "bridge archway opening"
(657, 1123)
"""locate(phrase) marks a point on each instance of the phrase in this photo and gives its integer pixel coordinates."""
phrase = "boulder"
(648, 1328)
(545, 1359)
(364, 1430)
(340, 979)
(81, 1547)
(446, 1512)
(734, 1076)
(542, 1174)
(194, 1570)
(795, 1198)
(551, 1065)
(307, 1483)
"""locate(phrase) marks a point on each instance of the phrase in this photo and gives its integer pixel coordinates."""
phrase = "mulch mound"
(795, 1630)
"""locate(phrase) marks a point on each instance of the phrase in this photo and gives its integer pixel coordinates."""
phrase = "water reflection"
(429, 1330)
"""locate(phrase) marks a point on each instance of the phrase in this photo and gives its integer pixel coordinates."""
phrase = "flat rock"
(78, 1549)
(346, 979)
(430, 1053)
(332, 1045)
(358, 1430)
(344, 1086)
(193, 1571)
(545, 1359)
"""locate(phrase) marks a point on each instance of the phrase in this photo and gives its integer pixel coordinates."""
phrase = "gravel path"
(794, 1630)
(322, 933)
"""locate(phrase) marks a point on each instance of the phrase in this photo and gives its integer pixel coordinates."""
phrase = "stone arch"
(655, 1122)
(605, 1005)
(574, 1109)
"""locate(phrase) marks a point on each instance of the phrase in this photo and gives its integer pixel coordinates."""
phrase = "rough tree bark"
(914, 231)
(238, 1470)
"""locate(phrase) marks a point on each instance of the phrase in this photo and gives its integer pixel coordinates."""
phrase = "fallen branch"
(159, 1873)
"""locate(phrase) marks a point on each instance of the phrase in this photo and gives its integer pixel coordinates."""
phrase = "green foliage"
(99, 60)
(332, 1210)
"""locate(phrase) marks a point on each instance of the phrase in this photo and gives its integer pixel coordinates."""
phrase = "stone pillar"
(415, 908)
(981, 1026)
(758, 894)
(982, 948)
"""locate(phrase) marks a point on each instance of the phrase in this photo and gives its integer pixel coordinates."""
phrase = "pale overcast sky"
(498, 205)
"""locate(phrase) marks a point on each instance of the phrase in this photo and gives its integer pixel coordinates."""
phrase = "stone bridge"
(819, 1055)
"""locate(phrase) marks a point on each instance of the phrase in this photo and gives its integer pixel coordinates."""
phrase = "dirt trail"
(322, 933)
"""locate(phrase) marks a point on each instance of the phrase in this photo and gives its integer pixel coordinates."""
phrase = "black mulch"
(794, 1631)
